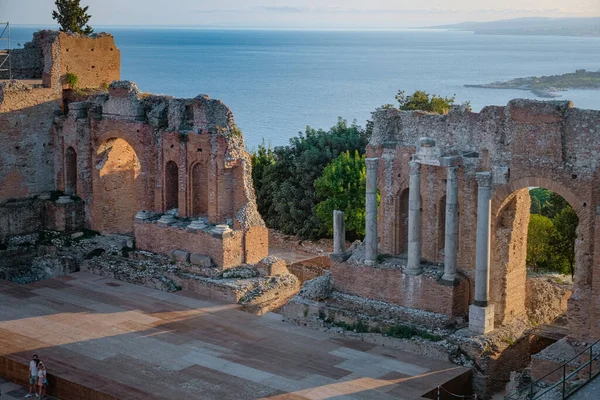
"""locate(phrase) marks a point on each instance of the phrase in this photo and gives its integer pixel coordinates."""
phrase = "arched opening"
(226, 193)
(441, 229)
(171, 186)
(199, 186)
(70, 171)
(115, 202)
(401, 222)
(533, 257)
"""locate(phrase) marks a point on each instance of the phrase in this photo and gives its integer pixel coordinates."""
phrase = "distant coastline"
(548, 86)
(582, 27)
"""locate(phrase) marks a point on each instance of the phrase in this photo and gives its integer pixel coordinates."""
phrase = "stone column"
(371, 212)
(414, 219)
(451, 238)
(481, 314)
(339, 232)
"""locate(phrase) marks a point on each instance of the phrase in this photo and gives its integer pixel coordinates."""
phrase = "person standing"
(33, 375)
(42, 381)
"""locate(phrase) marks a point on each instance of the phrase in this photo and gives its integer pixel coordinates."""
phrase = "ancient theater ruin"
(157, 191)
(446, 247)
(166, 181)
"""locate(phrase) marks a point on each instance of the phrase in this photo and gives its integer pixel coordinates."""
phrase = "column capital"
(415, 167)
(484, 179)
(452, 172)
(372, 163)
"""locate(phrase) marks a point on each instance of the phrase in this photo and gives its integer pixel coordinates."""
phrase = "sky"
(299, 14)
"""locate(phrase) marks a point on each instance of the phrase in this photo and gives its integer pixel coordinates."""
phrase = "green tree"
(421, 100)
(565, 223)
(539, 197)
(540, 233)
(342, 186)
(285, 178)
(553, 205)
(71, 17)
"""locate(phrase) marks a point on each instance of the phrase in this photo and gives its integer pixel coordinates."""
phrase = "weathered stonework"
(524, 144)
(120, 156)
(51, 55)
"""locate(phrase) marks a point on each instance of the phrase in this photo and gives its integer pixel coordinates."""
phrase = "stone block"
(201, 260)
(272, 265)
(181, 255)
(481, 319)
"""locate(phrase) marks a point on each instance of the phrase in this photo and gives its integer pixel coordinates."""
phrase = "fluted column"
(414, 220)
(481, 314)
(371, 212)
(451, 234)
(339, 232)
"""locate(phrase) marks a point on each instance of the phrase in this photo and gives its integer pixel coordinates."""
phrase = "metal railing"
(561, 388)
(5, 63)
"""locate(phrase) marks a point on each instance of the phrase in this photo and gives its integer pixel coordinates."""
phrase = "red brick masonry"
(391, 285)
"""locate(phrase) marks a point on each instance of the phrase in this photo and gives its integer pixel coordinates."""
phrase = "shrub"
(71, 80)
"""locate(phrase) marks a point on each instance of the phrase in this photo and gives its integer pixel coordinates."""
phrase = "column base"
(370, 263)
(413, 271)
(445, 281)
(481, 319)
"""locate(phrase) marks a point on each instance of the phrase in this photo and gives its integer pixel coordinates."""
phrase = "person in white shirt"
(33, 375)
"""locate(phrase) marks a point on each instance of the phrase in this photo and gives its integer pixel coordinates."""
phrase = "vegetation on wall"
(552, 233)
(71, 17)
(70, 79)
(422, 101)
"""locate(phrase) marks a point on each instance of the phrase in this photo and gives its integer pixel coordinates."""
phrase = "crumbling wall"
(26, 63)
(547, 298)
(193, 134)
(26, 159)
(524, 144)
(95, 60)
(508, 270)
(50, 55)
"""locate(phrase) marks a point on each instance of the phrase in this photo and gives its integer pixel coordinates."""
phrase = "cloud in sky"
(300, 13)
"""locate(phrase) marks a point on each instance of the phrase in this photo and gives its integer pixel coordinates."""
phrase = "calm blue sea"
(277, 82)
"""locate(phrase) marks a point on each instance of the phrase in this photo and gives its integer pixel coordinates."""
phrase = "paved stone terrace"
(132, 342)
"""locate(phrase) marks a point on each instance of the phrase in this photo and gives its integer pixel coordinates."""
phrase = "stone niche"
(172, 172)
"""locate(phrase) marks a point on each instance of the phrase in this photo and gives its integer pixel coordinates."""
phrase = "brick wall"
(226, 251)
(525, 144)
(26, 159)
(95, 60)
(391, 285)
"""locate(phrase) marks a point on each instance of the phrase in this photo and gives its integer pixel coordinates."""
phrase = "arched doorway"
(70, 171)
(441, 228)
(400, 243)
(116, 202)
(171, 186)
(532, 257)
(199, 185)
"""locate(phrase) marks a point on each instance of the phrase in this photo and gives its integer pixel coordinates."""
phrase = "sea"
(278, 82)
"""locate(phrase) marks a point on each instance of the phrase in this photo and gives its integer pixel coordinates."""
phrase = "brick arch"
(70, 171)
(509, 229)
(117, 189)
(199, 188)
(400, 221)
(171, 186)
(501, 193)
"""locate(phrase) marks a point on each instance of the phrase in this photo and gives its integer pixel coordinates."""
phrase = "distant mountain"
(531, 26)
